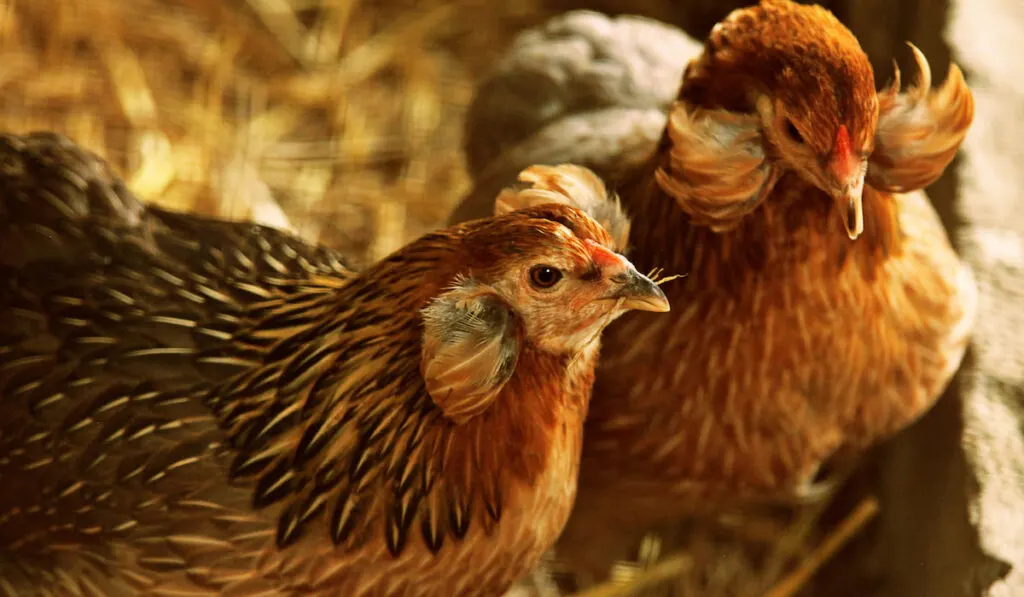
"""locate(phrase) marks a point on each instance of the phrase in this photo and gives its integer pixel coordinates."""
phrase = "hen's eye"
(792, 132)
(544, 276)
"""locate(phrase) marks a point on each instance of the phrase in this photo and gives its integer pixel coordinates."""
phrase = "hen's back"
(116, 325)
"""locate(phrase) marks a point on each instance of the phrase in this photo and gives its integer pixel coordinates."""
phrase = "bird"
(824, 308)
(192, 406)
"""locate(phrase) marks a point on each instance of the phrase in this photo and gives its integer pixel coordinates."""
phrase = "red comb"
(602, 257)
(842, 154)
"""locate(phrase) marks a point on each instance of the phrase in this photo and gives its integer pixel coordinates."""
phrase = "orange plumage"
(198, 407)
(824, 308)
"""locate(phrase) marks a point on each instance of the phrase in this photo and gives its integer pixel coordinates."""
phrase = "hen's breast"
(757, 380)
(487, 562)
(535, 512)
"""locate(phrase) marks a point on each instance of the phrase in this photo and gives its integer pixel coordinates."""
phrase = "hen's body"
(775, 369)
(792, 342)
(194, 407)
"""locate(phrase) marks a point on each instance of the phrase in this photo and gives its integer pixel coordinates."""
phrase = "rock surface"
(987, 36)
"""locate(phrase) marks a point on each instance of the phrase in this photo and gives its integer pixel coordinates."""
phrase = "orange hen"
(824, 308)
(197, 407)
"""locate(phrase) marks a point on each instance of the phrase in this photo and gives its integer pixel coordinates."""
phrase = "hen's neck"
(795, 226)
(546, 393)
(511, 446)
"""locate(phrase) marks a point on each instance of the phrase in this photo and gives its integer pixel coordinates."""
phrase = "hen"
(825, 309)
(197, 407)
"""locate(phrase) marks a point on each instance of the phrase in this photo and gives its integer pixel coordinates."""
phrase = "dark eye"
(544, 276)
(792, 132)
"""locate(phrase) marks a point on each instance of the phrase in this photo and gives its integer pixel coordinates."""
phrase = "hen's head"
(545, 276)
(786, 86)
(814, 90)
(556, 269)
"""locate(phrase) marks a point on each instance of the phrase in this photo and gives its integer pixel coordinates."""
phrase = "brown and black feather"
(198, 407)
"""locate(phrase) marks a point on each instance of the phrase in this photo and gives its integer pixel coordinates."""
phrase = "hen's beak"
(849, 198)
(638, 292)
(848, 189)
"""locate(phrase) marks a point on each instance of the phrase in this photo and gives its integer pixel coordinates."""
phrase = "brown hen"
(824, 308)
(197, 407)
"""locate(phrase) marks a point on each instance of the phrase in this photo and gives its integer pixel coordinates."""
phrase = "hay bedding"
(335, 118)
(340, 120)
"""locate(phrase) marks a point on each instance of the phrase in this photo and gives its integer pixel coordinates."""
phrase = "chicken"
(824, 309)
(198, 407)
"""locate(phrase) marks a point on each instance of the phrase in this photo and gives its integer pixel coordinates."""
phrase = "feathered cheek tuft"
(716, 169)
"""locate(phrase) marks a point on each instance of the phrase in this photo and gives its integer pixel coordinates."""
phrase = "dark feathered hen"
(196, 407)
(824, 309)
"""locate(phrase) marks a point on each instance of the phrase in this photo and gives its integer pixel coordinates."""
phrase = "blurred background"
(338, 118)
(342, 121)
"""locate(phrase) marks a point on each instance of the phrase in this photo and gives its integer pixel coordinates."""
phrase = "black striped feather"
(202, 389)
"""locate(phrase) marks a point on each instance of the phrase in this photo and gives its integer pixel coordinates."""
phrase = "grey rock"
(987, 36)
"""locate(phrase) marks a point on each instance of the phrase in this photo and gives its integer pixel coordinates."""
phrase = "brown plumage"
(568, 184)
(824, 309)
(197, 407)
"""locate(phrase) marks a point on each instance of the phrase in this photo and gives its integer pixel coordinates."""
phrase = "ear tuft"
(471, 345)
(920, 130)
(716, 168)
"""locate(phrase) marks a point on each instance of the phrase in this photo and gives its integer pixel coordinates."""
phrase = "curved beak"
(847, 173)
(849, 200)
(638, 292)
